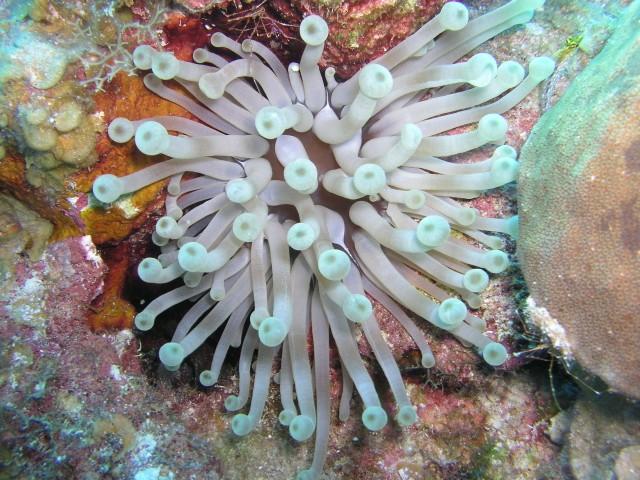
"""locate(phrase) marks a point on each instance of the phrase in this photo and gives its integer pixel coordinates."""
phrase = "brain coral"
(580, 211)
(312, 194)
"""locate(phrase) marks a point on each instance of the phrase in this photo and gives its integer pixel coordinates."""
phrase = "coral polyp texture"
(297, 199)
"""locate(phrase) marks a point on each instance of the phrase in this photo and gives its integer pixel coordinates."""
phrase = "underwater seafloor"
(82, 392)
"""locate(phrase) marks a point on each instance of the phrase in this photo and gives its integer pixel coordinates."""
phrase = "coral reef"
(23, 230)
(376, 161)
(601, 437)
(82, 396)
(580, 213)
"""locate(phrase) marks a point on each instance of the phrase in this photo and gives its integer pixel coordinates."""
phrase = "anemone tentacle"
(373, 207)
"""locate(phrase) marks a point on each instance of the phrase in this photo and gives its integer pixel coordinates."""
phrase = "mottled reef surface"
(83, 396)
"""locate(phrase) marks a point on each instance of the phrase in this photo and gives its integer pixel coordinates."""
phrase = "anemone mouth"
(312, 197)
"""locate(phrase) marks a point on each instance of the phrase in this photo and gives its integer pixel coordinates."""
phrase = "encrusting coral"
(359, 164)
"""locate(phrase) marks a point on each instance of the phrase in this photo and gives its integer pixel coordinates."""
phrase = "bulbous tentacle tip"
(258, 316)
(239, 190)
(143, 56)
(357, 308)
(247, 227)
(510, 73)
(272, 331)
(144, 321)
(453, 16)
(206, 378)
(232, 403)
(149, 269)
(285, 417)
(152, 138)
(433, 231)
(369, 179)
(301, 428)
(406, 416)
(375, 81)
(191, 256)
(171, 355)
(541, 68)
(165, 65)
(496, 261)
(300, 236)
(374, 418)
(314, 30)
(495, 354)
(107, 188)
(241, 424)
(301, 175)
(334, 264)
(513, 227)
(475, 280)
(270, 122)
(451, 313)
(492, 127)
(121, 130)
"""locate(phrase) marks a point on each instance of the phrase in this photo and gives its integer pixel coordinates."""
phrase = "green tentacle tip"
(241, 424)
(454, 16)
(191, 256)
(149, 269)
(475, 280)
(270, 122)
(301, 428)
(541, 68)
(375, 81)
(494, 354)
(433, 231)
(374, 418)
(492, 127)
(301, 175)
(144, 320)
(286, 416)
(466, 216)
(300, 236)
(152, 138)
(232, 403)
(121, 130)
(428, 360)
(406, 416)
(108, 188)
(357, 308)
(143, 56)
(369, 179)
(305, 475)
(272, 331)
(246, 227)
(513, 227)
(414, 199)
(171, 355)
(165, 65)
(334, 264)
(314, 30)
(496, 261)
(504, 170)
(206, 378)
(451, 313)
(258, 316)
(239, 190)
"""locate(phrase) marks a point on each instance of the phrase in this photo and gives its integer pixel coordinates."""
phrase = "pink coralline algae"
(358, 162)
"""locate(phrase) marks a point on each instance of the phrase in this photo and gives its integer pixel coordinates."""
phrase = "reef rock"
(604, 438)
(580, 212)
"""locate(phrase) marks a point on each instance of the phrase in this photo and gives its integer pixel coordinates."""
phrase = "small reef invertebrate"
(311, 194)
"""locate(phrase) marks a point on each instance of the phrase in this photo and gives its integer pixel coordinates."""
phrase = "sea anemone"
(311, 196)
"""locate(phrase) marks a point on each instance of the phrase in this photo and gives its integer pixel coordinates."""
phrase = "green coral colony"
(365, 206)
